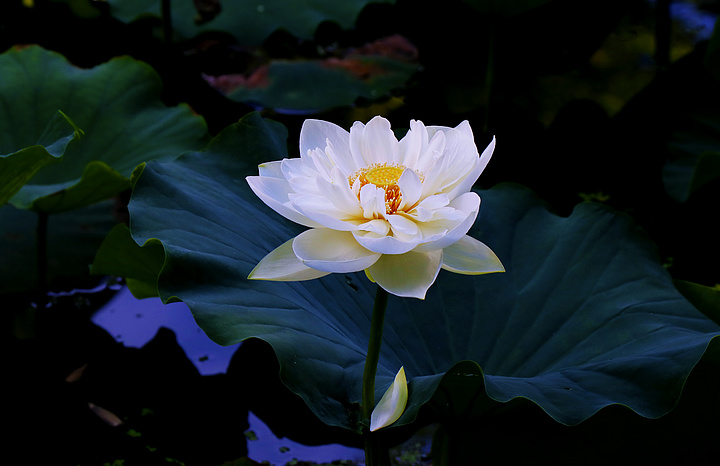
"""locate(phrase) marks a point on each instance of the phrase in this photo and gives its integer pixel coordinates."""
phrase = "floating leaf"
(250, 22)
(118, 106)
(370, 72)
(584, 316)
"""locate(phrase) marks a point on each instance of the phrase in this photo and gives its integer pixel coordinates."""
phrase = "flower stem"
(42, 259)
(166, 21)
(663, 26)
(375, 454)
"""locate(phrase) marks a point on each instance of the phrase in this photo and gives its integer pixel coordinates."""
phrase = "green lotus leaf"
(686, 175)
(17, 168)
(73, 239)
(316, 85)
(584, 317)
(119, 255)
(695, 154)
(118, 106)
(706, 299)
(250, 22)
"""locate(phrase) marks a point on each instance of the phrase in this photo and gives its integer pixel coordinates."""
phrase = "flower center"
(382, 175)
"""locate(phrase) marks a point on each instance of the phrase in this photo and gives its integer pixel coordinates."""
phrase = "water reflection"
(134, 323)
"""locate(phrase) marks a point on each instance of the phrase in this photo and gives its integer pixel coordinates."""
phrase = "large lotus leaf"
(73, 239)
(17, 168)
(251, 22)
(584, 317)
(315, 85)
(119, 255)
(118, 106)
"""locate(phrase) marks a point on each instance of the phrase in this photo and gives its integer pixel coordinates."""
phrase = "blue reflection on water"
(135, 322)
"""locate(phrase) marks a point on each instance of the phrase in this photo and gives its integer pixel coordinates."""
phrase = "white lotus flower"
(399, 210)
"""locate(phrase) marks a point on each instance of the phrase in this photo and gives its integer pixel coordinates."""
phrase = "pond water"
(134, 322)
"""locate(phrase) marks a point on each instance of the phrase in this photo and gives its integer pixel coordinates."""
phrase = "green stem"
(166, 22)
(375, 453)
(663, 28)
(41, 248)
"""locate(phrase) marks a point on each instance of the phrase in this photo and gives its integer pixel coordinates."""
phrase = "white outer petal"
(468, 182)
(320, 210)
(410, 187)
(274, 192)
(297, 168)
(468, 203)
(392, 404)
(380, 141)
(429, 157)
(378, 226)
(372, 201)
(339, 193)
(426, 209)
(469, 256)
(283, 265)
(373, 142)
(332, 251)
(407, 275)
(315, 134)
(487, 154)
(384, 244)
(271, 169)
(401, 225)
(458, 160)
(410, 146)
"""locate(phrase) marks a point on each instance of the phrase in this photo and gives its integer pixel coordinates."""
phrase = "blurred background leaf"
(309, 86)
(17, 168)
(250, 22)
(117, 105)
(73, 239)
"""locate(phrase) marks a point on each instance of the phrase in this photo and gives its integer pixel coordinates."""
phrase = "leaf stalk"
(375, 452)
